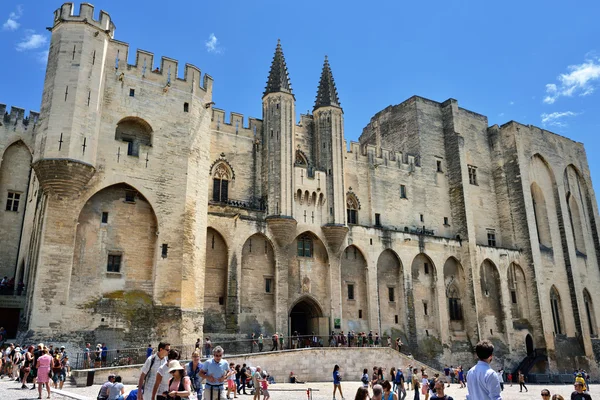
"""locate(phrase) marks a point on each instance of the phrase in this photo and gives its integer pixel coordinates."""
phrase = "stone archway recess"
(306, 317)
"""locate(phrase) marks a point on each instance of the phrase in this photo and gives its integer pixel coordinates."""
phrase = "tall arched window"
(556, 310)
(221, 184)
(589, 311)
(454, 306)
(352, 208)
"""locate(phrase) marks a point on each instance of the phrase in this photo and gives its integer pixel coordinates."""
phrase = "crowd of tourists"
(481, 382)
(41, 366)
(163, 377)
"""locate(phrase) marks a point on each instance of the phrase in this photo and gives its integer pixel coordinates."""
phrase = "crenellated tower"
(72, 99)
(278, 140)
(329, 143)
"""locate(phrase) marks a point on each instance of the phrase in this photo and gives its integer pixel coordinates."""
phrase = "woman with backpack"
(365, 379)
(180, 386)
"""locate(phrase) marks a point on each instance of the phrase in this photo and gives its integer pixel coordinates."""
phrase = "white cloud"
(501, 115)
(581, 80)
(511, 103)
(554, 119)
(32, 41)
(212, 44)
(42, 57)
(11, 23)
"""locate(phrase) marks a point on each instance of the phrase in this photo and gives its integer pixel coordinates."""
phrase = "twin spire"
(279, 81)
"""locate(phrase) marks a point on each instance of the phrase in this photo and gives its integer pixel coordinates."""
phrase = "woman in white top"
(425, 386)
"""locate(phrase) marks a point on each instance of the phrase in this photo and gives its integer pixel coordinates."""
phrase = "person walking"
(192, 369)
(365, 378)
(377, 392)
(260, 342)
(415, 383)
(231, 386)
(207, 347)
(399, 384)
(242, 380)
(461, 377)
(179, 386)
(150, 369)
(215, 371)
(27, 366)
(161, 383)
(256, 380)
(337, 381)
(482, 380)
(522, 382)
(43, 365)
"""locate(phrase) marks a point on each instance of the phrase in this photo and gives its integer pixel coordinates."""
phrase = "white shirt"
(163, 371)
(151, 374)
(483, 383)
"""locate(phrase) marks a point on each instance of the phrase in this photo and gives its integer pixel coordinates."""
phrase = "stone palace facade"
(132, 210)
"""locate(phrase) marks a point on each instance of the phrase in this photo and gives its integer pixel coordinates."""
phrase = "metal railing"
(132, 356)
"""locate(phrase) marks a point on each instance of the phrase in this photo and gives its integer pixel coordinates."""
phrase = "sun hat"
(174, 365)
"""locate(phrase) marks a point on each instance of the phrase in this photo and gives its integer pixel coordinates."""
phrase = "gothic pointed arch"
(15, 171)
(492, 317)
(352, 207)
(257, 292)
(517, 287)
(222, 174)
(454, 283)
(215, 272)
(301, 159)
(392, 306)
(354, 278)
(120, 256)
(425, 313)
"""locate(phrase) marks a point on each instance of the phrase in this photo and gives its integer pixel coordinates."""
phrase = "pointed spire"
(327, 93)
(279, 80)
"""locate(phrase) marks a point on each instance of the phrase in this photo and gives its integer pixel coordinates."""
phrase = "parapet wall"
(86, 15)
(235, 124)
(17, 118)
(382, 157)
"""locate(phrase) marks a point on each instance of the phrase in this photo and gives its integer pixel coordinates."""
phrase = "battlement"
(517, 124)
(86, 15)
(235, 124)
(166, 75)
(16, 116)
(382, 157)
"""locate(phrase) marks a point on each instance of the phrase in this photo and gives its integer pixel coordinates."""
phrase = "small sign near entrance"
(337, 323)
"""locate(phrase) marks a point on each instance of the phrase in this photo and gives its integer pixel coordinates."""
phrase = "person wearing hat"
(180, 386)
(104, 390)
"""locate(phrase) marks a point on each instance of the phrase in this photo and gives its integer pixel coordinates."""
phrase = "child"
(264, 384)
(231, 386)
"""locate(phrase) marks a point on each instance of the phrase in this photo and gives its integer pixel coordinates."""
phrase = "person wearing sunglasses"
(545, 394)
(215, 371)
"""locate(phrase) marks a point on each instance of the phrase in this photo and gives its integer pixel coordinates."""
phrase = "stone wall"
(310, 365)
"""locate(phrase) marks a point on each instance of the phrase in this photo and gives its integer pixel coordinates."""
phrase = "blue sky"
(530, 61)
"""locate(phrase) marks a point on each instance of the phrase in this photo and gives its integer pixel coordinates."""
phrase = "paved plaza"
(11, 391)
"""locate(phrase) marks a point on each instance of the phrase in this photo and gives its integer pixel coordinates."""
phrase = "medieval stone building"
(132, 209)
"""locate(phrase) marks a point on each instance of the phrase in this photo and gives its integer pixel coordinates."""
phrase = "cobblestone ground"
(11, 391)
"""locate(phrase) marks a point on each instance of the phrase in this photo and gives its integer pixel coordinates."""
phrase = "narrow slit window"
(186, 107)
(350, 292)
(105, 217)
(131, 92)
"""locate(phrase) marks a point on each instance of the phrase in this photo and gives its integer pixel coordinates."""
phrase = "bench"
(70, 395)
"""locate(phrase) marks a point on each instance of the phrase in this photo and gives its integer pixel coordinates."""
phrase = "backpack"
(399, 376)
(365, 379)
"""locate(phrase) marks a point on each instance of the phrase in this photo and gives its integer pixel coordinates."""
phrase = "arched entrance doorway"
(529, 344)
(306, 317)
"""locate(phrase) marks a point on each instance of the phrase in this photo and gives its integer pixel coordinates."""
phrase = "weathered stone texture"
(222, 206)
